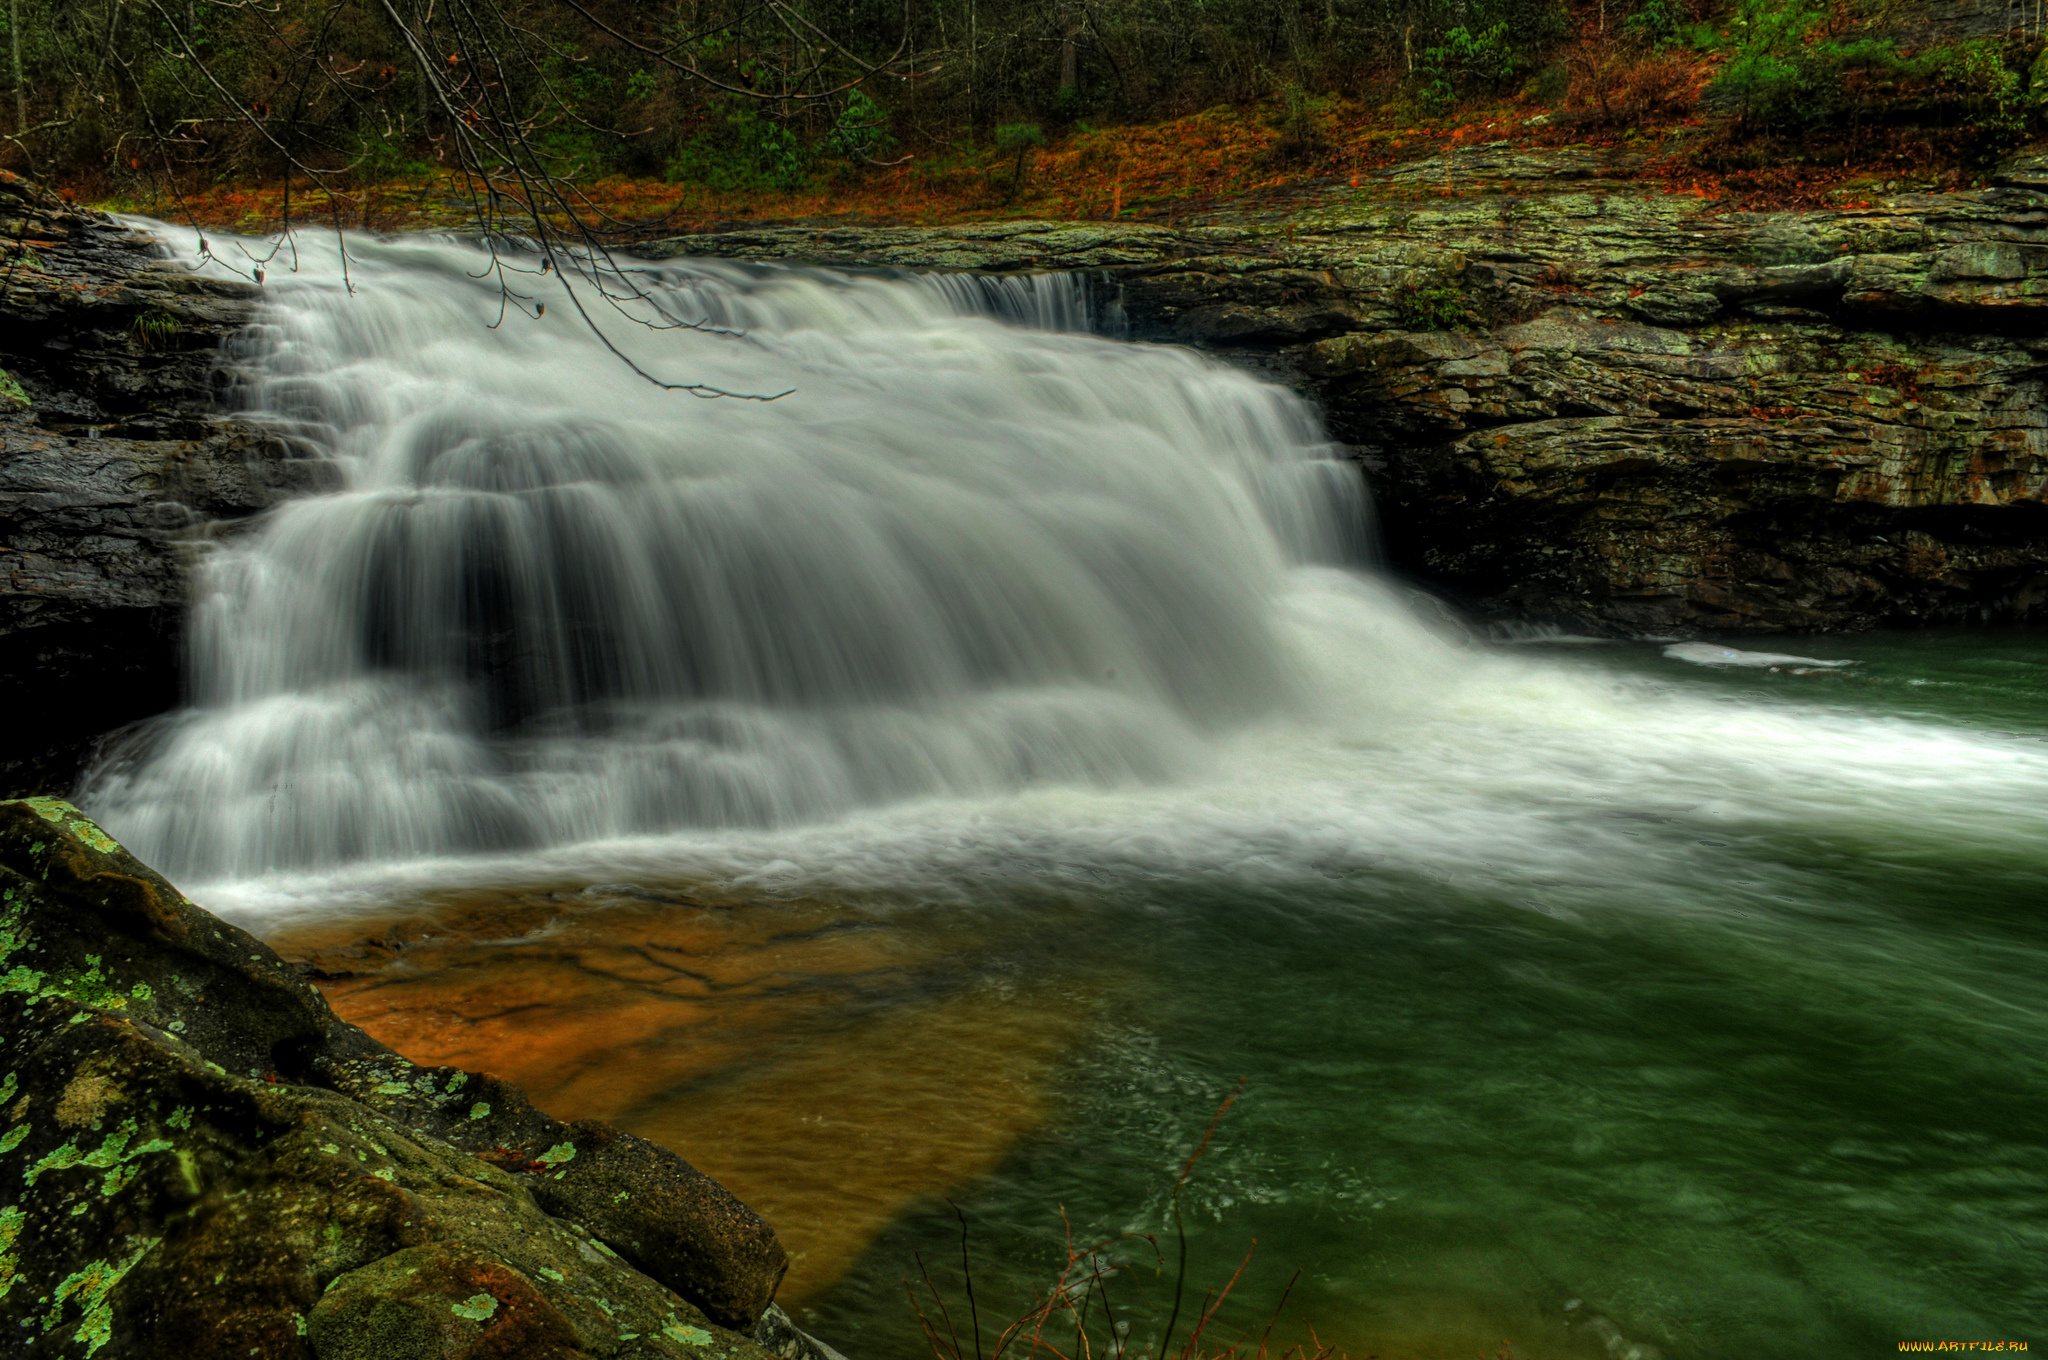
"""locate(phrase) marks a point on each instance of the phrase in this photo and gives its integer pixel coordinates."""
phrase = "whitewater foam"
(978, 605)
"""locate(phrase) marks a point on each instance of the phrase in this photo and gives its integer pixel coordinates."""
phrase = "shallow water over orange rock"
(829, 1065)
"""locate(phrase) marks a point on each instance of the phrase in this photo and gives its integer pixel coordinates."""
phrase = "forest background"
(640, 117)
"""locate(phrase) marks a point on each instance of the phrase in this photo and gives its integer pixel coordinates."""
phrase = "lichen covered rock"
(114, 472)
(197, 1157)
(1583, 398)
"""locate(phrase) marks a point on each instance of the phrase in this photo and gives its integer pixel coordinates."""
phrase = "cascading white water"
(978, 595)
(1046, 302)
(1559, 973)
(553, 601)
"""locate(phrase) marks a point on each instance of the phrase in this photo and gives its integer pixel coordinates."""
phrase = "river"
(951, 778)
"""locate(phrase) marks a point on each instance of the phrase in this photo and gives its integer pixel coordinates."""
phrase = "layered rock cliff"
(1586, 401)
(114, 469)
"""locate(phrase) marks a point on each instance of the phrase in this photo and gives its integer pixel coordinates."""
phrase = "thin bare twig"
(1180, 1224)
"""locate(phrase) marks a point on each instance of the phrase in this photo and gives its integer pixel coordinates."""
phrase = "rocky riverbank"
(210, 1162)
(115, 468)
(1585, 401)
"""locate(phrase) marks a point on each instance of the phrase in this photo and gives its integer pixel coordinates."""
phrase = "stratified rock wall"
(113, 473)
(198, 1158)
(1922, 23)
(1621, 409)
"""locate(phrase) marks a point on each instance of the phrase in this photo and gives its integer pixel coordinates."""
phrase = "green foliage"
(155, 329)
(1301, 124)
(1787, 74)
(1766, 87)
(1435, 302)
(1019, 137)
(12, 397)
(2000, 99)
(860, 130)
(1773, 74)
(1466, 62)
(739, 150)
(1659, 21)
(384, 159)
(1551, 84)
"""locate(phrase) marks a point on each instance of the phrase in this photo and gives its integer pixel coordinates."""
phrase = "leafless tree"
(490, 93)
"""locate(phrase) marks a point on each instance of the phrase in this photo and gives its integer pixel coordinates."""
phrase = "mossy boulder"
(198, 1157)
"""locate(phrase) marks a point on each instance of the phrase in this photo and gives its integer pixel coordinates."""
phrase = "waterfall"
(975, 547)
(1046, 302)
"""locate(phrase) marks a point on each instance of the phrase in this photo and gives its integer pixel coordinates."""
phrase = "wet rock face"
(1920, 23)
(1745, 476)
(1619, 409)
(112, 474)
(197, 1157)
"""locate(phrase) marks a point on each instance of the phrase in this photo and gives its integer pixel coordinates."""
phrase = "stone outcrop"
(114, 470)
(197, 1157)
(1633, 411)
(1920, 23)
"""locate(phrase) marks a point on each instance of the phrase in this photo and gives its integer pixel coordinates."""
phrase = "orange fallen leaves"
(1146, 171)
(1168, 171)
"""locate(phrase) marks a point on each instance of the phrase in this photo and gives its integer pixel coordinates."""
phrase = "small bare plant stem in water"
(1209, 1309)
(1101, 1282)
(944, 1312)
(1085, 1274)
(1180, 1226)
(966, 1269)
(1278, 1309)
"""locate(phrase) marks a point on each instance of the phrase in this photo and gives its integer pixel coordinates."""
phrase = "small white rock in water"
(1711, 654)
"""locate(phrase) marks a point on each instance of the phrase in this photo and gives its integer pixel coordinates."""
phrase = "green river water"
(952, 777)
(1793, 1107)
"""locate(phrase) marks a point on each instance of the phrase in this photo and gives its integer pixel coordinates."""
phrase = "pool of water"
(1798, 1110)
(1733, 1048)
(920, 799)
